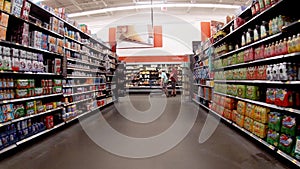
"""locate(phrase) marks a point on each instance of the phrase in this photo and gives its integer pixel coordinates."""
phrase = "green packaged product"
(229, 90)
(234, 59)
(229, 60)
(225, 62)
(289, 125)
(235, 74)
(296, 149)
(285, 143)
(242, 74)
(234, 90)
(240, 57)
(273, 137)
(252, 93)
(229, 74)
(241, 91)
(275, 119)
(19, 111)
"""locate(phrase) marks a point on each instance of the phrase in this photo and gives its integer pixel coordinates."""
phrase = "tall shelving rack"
(86, 61)
(245, 66)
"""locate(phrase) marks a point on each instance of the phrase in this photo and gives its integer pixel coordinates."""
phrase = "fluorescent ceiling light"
(37, 1)
(124, 8)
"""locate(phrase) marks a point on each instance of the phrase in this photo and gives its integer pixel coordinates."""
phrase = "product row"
(278, 96)
(278, 129)
(22, 88)
(24, 129)
(10, 112)
(79, 90)
(95, 81)
(286, 71)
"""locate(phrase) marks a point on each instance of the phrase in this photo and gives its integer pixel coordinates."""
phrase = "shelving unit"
(61, 58)
(224, 64)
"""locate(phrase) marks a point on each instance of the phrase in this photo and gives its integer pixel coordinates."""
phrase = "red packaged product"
(283, 98)
(262, 72)
(49, 122)
(227, 114)
(252, 73)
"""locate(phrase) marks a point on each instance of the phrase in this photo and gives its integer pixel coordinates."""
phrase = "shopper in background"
(173, 77)
(164, 82)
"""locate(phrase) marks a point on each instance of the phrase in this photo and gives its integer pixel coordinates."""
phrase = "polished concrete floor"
(71, 148)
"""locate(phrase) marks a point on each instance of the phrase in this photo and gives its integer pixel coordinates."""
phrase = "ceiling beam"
(76, 4)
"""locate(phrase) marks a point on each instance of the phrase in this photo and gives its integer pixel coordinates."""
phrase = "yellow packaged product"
(241, 107)
(248, 124)
(260, 129)
(250, 108)
(261, 114)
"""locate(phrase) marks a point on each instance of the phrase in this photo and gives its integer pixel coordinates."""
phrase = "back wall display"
(134, 36)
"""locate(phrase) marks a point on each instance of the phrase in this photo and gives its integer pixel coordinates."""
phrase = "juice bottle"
(298, 43)
(271, 27)
(280, 23)
(266, 51)
(284, 46)
(276, 48)
(289, 45)
(264, 29)
(249, 36)
(261, 5)
(1, 95)
(1, 83)
(275, 25)
(294, 43)
(243, 39)
(272, 50)
(256, 33)
(4, 83)
(267, 3)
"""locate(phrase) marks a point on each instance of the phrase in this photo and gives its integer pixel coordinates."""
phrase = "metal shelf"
(223, 118)
(74, 40)
(82, 77)
(83, 69)
(29, 73)
(38, 134)
(81, 61)
(202, 105)
(68, 104)
(83, 85)
(248, 22)
(262, 103)
(255, 137)
(72, 50)
(258, 82)
(29, 98)
(291, 159)
(197, 84)
(279, 57)
(74, 94)
(202, 97)
(250, 45)
(29, 47)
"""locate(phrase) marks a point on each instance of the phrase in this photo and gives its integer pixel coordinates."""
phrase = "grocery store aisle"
(72, 148)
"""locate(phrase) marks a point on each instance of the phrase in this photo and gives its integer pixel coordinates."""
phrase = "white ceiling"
(74, 6)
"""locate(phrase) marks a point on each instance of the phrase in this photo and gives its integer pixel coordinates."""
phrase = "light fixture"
(124, 8)
(36, 1)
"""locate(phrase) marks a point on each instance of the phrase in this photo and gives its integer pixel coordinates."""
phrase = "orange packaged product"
(3, 31)
(250, 108)
(240, 120)
(230, 103)
(234, 115)
(222, 101)
(248, 124)
(227, 114)
(241, 107)
(4, 19)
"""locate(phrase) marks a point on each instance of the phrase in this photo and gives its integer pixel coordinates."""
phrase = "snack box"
(235, 74)
(7, 6)
(38, 91)
(242, 74)
(230, 103)
(3, 31)
(234, 115)
(240, 57)
(21, 93)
